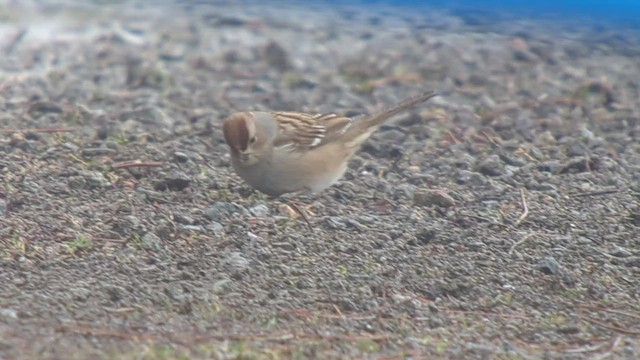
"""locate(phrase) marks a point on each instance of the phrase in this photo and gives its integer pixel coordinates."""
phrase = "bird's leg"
(300, 212)
(297, 209)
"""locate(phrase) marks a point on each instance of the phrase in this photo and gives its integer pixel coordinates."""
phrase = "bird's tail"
(366, 126)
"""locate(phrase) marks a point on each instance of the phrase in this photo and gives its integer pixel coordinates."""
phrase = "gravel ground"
(500, 220)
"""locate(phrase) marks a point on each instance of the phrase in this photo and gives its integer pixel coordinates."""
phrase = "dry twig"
(98, 332)
(525, 207)
(38, 130)
(521, 241)
(610, 327)
(597, 192)
(131, 164)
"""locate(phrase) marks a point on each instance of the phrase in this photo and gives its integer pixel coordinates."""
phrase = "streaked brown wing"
(301, 131)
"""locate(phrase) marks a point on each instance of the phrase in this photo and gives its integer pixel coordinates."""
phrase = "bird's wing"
(301, 131)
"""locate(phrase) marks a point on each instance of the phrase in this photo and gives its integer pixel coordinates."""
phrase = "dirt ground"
(501, 220)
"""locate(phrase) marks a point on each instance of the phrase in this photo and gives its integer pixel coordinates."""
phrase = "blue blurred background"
(615, 12)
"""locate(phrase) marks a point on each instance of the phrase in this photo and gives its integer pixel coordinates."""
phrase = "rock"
(110, 145)
(176, 181)
(511, 160)
(95, 179)
(80, 294)
(577, 148)
(433, 198)
(335, 223)
(260, 210)
(578, 165)
(42, 107)
(221, 287)
(19, 141)
(471, 178)
(231, 56)
(288, 246)
(71, 146)
(216, 228)
(183, 219)
(180, 157)
(97, 151)
(235, 262)
(172, 53)
(149, 116)
(553, 167)
(221, 211)
(492, 166)
(540, 187)
(522, 52)
(569, 329)
(407, 190)
(276, 56)
(426, 235)
(297, 81)
(635, 262)
(483, 350)
(620, 252)
(76, 182)
(150, 241)
(126, 225)
(392, 136)
(8, 314)
(114, 293)
(549, 266)
(224, 21)
(194, 228)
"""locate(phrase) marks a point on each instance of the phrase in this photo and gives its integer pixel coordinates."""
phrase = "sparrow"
(283, 152)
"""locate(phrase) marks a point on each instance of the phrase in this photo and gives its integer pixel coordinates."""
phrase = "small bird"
(292, 152)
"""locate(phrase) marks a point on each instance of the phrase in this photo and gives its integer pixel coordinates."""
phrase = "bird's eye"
(253, 140)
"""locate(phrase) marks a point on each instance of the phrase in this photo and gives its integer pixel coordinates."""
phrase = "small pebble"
(260, 210)
(176, 181)
(150, 241)
(549, 266)
(95, 179)
(492, 166)
(221, 211)
(437, 198)
(180, 157)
